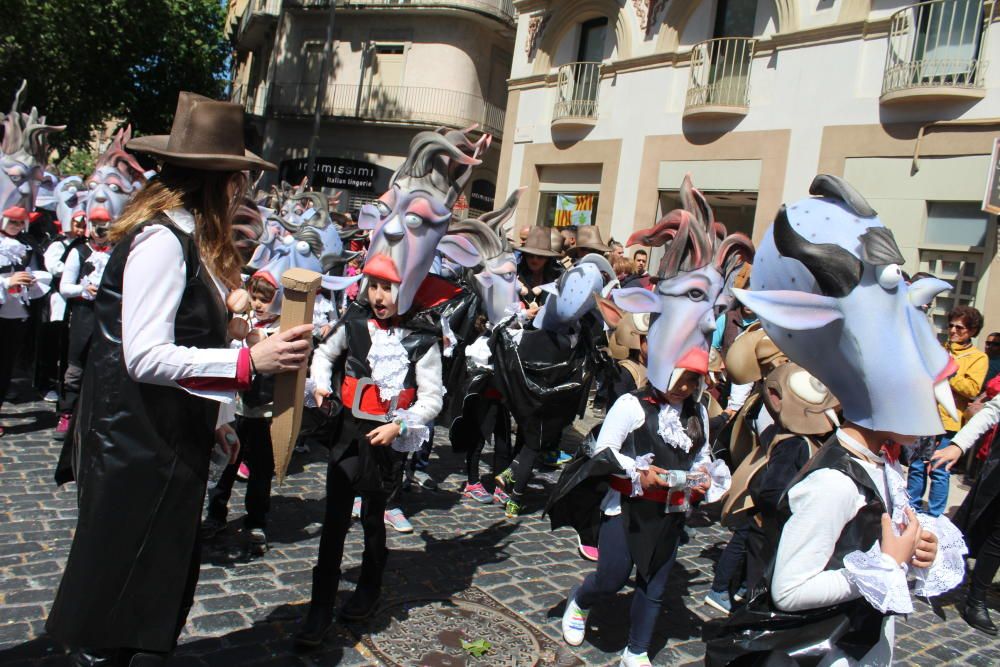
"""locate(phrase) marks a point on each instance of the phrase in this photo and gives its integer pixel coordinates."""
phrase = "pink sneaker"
(500, 496)
(478, 493)
(62, 428)
(590, 553)
(243, 473)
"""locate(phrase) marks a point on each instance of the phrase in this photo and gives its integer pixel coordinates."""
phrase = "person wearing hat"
(391, 392)
(21, 280)
(158, 393)
(537, 267)
(588, 240)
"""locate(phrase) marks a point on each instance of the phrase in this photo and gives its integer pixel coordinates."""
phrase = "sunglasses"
(957, 327)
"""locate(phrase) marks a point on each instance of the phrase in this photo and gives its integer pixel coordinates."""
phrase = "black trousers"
(81, 329)
(50, 356)
(729, 569)
(493, 418)
(988, 557)
(12, 333)
(255, 450)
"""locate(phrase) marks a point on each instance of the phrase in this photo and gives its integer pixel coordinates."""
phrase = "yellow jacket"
(967, 383)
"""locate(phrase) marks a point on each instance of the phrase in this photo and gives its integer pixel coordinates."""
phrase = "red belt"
(370, 402)
(656, 495)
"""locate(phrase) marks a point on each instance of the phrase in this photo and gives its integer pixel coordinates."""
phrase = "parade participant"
(848, 534)
(393, 390)
(544, 369)
(253, 420)
(78, 285)
(629, 348)
(23, 154)
(157, 393)
(655, 437)
(588, 240)
(979, 515)
(537, 267)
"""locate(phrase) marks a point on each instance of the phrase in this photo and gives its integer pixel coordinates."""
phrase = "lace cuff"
(948, 569)
(416, 433)
(722, 479)
(448, 337)
(879, 579)
(641, 463)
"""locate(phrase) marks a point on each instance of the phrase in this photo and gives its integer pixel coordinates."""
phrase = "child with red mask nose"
(391, 392)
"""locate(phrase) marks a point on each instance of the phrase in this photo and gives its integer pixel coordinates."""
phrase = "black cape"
(975, 516)
(140, 457)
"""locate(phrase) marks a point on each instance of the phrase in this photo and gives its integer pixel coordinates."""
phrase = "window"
(955, 223)
(735, 18)
(567, 209)
(592, 34)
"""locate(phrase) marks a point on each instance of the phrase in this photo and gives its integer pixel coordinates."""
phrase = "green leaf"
(476, 648)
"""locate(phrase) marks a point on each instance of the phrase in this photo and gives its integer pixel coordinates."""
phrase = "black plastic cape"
(140, 458)
(975, 516)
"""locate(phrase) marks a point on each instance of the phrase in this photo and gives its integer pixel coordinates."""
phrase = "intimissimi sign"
(334, 173)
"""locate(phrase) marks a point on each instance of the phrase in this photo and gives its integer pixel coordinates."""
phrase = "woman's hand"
(19, 278)
(927, 548)
(946, 456)
(901, 548)
(649, 479)
(285, 351)
(228, 441)
(383, 435)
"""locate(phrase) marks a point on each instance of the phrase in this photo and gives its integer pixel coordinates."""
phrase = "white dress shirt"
(981, 422)
(154, 282)
(53, 260)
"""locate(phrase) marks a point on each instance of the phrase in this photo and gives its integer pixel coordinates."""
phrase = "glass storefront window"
(955, 223)
(567, 209)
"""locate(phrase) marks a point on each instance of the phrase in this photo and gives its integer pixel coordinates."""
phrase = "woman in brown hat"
(537, 266)
(157, 393)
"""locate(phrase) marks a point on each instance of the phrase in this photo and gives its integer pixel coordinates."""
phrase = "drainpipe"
(324, 74)
(979, 122)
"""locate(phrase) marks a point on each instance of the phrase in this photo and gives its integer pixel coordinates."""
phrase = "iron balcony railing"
(577, 87)
(720, 73)
(255, 102)
(503, 9)
(238, 94)
(402, 104)
(938, 44)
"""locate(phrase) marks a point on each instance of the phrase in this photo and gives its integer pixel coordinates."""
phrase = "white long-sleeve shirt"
(625, 416)
(154, 280)
(430, 385)
(53, 260)
(981, 422)
(69, 285)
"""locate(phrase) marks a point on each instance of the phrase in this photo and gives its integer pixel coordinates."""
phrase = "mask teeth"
(831, 414)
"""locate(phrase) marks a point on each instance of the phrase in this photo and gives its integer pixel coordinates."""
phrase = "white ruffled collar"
(388, 361)
(671, 429)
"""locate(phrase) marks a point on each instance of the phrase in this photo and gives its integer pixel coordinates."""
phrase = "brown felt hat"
(539, 242)
(588, 238)
(206, 134)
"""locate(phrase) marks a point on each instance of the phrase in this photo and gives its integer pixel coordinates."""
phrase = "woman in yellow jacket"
(964, 324)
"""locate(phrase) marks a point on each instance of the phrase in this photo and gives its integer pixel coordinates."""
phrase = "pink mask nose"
(950, 369)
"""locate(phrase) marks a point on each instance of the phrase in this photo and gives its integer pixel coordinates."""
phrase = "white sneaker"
(635, 659)
(574, 620)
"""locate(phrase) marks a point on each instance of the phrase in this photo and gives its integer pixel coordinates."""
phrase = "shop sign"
(991, 201)
(331, 172)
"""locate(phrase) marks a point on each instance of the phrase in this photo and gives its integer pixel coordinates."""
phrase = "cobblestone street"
(247, 609)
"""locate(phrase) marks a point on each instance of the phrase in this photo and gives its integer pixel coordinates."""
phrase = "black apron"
(140, 457)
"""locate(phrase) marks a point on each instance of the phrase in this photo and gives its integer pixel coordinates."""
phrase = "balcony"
(577, 87)
(934, 51)
(391, 104)
(720, 78)
(258, 18)
(502, 10)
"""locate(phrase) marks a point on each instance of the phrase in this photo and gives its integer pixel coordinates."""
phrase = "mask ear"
(636, 300)
(368, 217)
(795, 311)
(459, 250)
(337, 283)
(611, 313)
(549, 288)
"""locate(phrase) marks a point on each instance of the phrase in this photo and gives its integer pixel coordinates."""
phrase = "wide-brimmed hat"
(588, 239)
(206, 134)
(539, 243)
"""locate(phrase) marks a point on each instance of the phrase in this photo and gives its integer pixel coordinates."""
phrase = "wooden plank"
(300, 286)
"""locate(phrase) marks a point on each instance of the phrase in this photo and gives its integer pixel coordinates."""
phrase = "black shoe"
(977, 615)
(319, 620)
(86, 658)
(362, 603)
(147, 660)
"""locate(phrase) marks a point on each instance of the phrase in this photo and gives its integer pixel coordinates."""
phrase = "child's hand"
(901, 548)
(649, 479)
(20, 278)
(92, 290)
(383, 435)
(227, 439)
(320, 396)
(927, 548)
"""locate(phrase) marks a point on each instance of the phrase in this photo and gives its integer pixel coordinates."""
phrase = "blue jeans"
(916, 481)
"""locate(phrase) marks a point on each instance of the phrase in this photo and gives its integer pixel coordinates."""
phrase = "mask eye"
(302, 247)
(115, 188)
(288, 240)
(383, 208)
(92, 185)
(696, 294)
(889, 276)
(509, 276)
(413, 220)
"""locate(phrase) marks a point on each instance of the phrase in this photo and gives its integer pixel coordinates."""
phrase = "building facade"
(395, 68)
(611, 102)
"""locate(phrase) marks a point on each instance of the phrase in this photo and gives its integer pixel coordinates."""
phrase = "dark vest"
(356, 367)
(646, 439)
(141, 454)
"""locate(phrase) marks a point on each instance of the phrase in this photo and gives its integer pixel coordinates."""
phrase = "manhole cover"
(430, 632)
